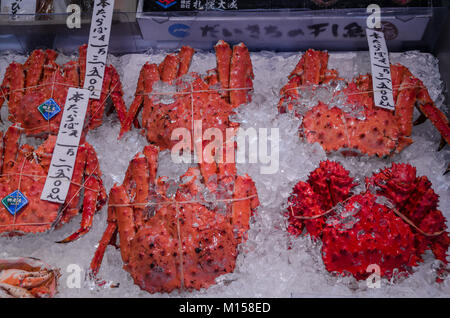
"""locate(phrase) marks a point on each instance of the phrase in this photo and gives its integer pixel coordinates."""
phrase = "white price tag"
(63, 159)
(98, 46)
(381, 70)
(20, 10)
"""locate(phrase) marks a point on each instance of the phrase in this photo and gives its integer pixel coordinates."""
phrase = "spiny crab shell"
(26, 168)
(391, 224)
(351, 123)
(178, 239)
(28, 85)
(212, 100)
(27, 278)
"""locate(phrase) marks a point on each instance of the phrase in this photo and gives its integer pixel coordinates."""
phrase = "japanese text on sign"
(19, 9)
(63, 160)
(381, 70)
(98, 46)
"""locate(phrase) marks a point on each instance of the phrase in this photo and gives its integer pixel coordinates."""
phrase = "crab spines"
(326, 186)
(116, 94)
(404, 106)
(223, 58)
(169, 68)
(332, 183)
(350, 246)
(241, 75)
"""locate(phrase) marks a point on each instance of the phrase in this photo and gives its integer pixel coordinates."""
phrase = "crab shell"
(364, 229)
(26, 169)
(28, 85)
(27, 278)
(181, 241)
(381, 132)
(196, 98)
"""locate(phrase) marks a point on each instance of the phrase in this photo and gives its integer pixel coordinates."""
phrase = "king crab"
(178, 237)
(25, 169)
(209, 99)
(40, 79)
(391, 224)
(27, 278)
(378, 131)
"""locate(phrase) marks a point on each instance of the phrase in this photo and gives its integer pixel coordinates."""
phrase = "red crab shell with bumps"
(27, 278)
(183, 240)
(26, 86)
(391, 224)
(208, 99)
(25, 169)
(379, 131)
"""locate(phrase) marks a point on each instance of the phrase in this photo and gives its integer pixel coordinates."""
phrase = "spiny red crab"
(27, 278)
(210, 99)
(25, 169)
(391, 224)
(376, 131)
(32, 84)
(178, 237)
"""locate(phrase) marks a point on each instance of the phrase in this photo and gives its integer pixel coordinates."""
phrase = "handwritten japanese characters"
(381, 70)
(65, 152)
(19, 9)
(98, 46)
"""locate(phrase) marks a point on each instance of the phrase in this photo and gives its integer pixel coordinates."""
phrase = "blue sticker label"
(14, 202)
(49, 109)
(179, 30)
(166, 3)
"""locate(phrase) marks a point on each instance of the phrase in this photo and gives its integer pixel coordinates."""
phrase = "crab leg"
(106, 240)
(7, 290)
(94, 192)
(82, 63)
(241, 75)
(185, 57)
(117, 95)
(33, 68)
(12, 87)
(24, 278)
(11, 143)
(169, 68)
(148, 76)
(223, 57)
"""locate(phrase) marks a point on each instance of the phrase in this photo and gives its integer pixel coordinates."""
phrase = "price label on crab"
(381, 70)
(98, 46)
(63, 160)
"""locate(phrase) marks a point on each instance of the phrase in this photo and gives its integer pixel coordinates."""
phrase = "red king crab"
(27, 278)
(391, 224)
(25, 169)
(376, 131)
(33, 84)
(178, 237)
(212, 100)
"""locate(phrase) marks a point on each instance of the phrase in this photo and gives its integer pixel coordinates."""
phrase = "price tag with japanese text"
(381, 70)
(63, 159)
(98, 46)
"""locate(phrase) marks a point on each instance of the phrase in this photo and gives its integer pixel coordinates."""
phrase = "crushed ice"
(271, 263)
